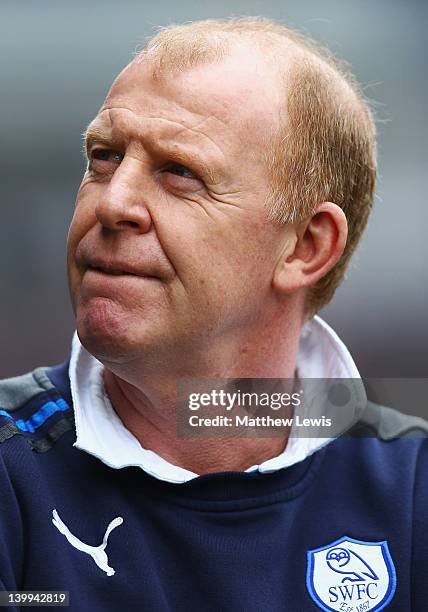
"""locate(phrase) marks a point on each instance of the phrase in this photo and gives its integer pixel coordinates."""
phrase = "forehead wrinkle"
(114, 134)
(152, 138)
(197, 131)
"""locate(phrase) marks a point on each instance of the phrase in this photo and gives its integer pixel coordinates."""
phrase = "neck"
(145, 397)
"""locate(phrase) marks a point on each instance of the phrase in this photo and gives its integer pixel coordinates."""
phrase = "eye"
(177, 177)
(103, 161)
(106, 155)
(179, 170)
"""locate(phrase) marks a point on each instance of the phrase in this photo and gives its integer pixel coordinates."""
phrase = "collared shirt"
(101, 433)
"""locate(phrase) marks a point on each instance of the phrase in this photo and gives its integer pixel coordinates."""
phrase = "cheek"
(231, 244)
(82, 221)
(223, 266)
(72, 238)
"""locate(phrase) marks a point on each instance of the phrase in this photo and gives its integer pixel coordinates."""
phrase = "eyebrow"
(94, 134)
(108, 137)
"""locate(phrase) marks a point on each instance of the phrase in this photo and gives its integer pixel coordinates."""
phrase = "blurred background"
(58, 60)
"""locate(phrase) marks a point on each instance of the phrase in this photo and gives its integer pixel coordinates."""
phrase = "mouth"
(117, 270)
(111, 271)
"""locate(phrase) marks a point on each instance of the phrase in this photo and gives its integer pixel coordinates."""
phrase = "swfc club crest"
(351, 576)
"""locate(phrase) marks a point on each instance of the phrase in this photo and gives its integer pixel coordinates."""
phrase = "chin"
(107, 332)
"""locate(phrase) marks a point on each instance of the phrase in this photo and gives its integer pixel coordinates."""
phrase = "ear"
(317, 246)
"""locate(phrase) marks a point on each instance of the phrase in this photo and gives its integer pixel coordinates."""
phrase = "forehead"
(237, 100)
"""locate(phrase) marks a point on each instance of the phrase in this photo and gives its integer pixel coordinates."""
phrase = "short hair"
(326, 147)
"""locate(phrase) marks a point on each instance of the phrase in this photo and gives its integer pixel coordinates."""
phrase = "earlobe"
(318, 245)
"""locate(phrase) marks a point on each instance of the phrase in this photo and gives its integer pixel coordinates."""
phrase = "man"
(230, 175)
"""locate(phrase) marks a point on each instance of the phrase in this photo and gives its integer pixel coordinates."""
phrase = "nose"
(122, 205)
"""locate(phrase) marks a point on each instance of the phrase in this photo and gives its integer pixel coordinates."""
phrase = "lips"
(110, 260)
(116, 268)
(111, 271)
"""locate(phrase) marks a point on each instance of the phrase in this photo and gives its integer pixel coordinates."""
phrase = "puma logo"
(96, 552)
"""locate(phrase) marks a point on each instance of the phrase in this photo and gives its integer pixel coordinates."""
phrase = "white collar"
(100, 432)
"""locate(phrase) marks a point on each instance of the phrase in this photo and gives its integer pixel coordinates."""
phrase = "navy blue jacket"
(226, 542)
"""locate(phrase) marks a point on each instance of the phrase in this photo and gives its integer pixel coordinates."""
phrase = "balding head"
(324, 149)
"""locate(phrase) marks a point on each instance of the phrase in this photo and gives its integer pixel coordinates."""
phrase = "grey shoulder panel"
(16, 391)
(389, 423)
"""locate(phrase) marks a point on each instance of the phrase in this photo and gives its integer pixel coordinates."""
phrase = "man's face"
(169, 245)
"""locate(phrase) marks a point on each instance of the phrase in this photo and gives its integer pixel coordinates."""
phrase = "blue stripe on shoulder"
(41, 416)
